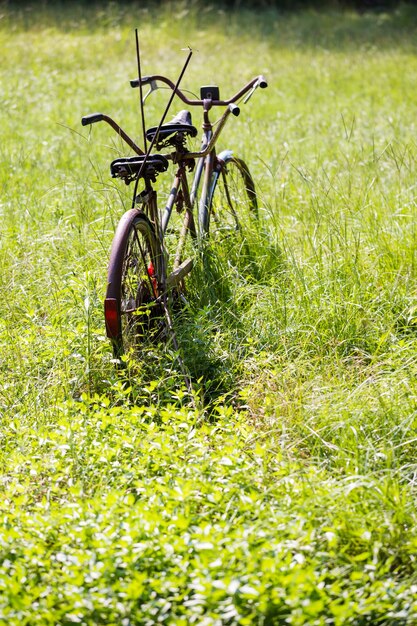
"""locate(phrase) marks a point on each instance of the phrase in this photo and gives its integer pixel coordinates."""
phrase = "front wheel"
(132, 308)
(232, 202)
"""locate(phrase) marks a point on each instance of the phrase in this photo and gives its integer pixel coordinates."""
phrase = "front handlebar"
(258, 81)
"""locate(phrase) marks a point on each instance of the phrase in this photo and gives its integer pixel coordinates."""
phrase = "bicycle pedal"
(178, 274)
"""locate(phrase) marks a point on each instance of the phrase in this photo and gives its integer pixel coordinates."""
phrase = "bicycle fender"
(224, 157)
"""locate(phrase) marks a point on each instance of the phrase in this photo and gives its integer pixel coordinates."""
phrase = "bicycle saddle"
(127, 167)
(181, 123)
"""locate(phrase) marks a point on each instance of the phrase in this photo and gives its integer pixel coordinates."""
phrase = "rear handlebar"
(92, 118)
(100, 117)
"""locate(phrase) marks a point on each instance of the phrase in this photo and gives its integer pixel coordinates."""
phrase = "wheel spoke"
(233, 203)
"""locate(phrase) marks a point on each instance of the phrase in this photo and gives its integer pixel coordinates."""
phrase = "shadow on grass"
(212, 330)
(326, 27)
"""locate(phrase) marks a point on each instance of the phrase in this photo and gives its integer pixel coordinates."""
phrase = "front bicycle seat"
(181, 123)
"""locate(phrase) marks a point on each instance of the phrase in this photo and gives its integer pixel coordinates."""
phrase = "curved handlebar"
(92, 118)
(258, 81)
(100, 117)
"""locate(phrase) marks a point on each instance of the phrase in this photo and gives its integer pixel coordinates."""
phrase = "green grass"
(286, 493)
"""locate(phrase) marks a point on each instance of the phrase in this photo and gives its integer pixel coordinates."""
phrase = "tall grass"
(286, 493)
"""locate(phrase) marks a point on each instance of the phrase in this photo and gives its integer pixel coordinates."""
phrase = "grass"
(287, 494)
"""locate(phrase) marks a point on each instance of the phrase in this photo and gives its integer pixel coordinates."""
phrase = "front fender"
(222, 158)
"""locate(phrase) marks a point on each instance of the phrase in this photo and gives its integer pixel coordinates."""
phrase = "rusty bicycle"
(213, 192)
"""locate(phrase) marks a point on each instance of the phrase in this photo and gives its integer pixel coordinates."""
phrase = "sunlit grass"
(285, 489)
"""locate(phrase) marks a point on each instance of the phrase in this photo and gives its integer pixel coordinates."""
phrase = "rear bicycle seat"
(128, 167)
(181, 123)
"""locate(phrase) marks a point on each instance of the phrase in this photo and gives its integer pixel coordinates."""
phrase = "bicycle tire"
(232, 201)
(133, 312)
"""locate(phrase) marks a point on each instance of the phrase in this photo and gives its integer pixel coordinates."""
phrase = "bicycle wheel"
(232, 201)
(132, 310)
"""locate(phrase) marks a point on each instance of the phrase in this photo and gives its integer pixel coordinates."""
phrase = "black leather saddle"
(130, 166)
(181, 123)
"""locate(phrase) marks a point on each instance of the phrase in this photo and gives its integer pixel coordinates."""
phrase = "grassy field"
(285, 491)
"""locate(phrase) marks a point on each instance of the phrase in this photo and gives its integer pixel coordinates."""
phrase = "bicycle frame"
(207, 164)
(206, 161)
(138, 266)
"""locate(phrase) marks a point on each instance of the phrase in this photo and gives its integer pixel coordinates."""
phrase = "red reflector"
(151, 274)
(111, 315)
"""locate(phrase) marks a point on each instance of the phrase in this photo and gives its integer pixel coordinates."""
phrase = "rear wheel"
(133, 311)
(232, 203)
